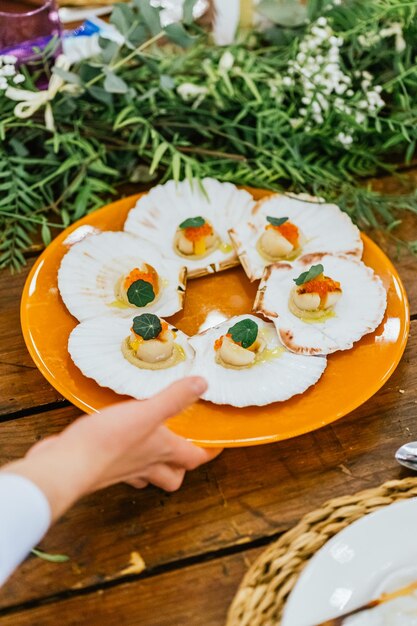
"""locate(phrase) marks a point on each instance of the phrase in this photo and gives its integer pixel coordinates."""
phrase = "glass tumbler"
(33, 36)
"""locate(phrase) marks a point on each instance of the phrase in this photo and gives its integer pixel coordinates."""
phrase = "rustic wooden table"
(197, 543)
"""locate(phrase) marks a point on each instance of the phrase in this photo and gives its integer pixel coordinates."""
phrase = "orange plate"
(350, 378)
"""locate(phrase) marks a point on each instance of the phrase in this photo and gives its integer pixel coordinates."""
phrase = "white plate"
(375, 554)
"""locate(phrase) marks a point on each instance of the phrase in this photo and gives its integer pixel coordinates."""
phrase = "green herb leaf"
(150, 15)
(313, 272)
(148, 326)
(276, 221)
(244, 332)
(187, 11)
(177, 33)
(46, 233)
(52, 558)
(284, 12)
(114, 84)
(69, 77)
(193, 222)
(140, 293)
(122, 18)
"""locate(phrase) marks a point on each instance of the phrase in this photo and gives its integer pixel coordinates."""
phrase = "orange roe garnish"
(149, 275)
(198, 232)
(218, 343)
(289, 231)
(321, 285)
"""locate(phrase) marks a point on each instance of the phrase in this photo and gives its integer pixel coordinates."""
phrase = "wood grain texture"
(21, 384)
(199, 595)
(244, 495)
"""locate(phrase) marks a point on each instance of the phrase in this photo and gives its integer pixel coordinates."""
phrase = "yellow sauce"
(225, 247)
(269, 354)
(119, 304)
(324, 315)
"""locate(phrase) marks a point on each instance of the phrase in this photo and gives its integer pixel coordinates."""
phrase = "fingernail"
(199, 385)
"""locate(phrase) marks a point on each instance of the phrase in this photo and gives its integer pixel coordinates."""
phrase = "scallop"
(274, 375)
(322, 228)
(92, 274)
(158, 215)
(96, 347)
(358, 311)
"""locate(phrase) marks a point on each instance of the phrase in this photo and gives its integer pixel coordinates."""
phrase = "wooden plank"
(243, 495)
(21, 384)
(195, 595)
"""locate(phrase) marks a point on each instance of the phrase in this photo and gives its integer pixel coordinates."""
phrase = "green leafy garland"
(314, 107)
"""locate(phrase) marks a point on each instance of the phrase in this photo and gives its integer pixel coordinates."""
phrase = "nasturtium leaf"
(244, 332)
(193, 222)
(140, 293)
(148, 326)
(276, 221)
(313, 272)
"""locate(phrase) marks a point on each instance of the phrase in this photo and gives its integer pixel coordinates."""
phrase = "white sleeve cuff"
(25, 516)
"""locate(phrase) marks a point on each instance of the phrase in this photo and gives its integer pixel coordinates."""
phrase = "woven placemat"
(264, 589)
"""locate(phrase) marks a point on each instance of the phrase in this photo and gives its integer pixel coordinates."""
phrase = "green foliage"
(244, 332)
(140, 293)
(170, 104)
(148, 326)
(311, 274)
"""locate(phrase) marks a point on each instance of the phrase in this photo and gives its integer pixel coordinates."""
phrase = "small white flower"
(9, 58)
(305, 100)
(189, 91)
(19, 78)
(322, 21)
(344, 139)
(340, 88)
(301, 57)
(295, 122)
(226, 61)
(360, 117)
(8, 70)
(3, 83)
(303, 112)
(287, 81)
(350, 93)
(378, 88)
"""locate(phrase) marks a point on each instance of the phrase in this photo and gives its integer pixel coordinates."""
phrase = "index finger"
(154, 411)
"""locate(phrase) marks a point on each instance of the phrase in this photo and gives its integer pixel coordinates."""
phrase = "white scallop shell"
(270, 381)
(91, 268)
(359, 310)
(95, 347)
(158, 214)
(326, 228)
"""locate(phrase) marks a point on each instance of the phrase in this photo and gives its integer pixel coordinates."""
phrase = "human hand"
(126, 442)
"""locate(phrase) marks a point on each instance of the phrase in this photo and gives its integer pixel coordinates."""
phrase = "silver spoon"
(407, 455)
